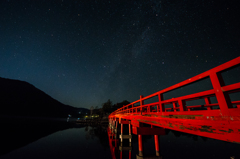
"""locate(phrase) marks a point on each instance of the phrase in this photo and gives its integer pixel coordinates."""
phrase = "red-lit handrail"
(218, 91)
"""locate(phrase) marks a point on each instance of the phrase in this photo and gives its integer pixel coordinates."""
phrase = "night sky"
(83, 53)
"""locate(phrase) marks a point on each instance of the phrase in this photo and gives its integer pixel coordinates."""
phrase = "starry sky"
(83, 53)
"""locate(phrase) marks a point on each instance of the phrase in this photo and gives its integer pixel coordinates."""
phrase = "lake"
(76, 141)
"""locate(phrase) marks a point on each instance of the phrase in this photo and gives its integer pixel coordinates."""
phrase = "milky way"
(84, 53)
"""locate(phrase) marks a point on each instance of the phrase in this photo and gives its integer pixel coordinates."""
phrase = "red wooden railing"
(220, 91)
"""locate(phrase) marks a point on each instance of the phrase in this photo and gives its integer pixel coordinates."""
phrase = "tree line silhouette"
(108, 107)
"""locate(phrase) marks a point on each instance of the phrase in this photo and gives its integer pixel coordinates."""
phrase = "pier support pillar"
(156, 145)
(113, 126)
(130, 139)
(140, 146)
(115, 131)
(121, 132)
(121, 136)
(138, 130)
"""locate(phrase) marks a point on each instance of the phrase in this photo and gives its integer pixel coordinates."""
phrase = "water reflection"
(174, 145)
(76, 141)
(99, 132)
(58, 140)
(18, 132)
(118, 148)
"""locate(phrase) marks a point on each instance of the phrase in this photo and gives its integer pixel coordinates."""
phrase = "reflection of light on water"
(67, 119)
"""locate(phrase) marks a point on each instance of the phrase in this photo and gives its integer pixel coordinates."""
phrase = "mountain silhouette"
(19, 98)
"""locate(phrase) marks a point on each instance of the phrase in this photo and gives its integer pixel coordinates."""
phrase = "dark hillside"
(20, 98)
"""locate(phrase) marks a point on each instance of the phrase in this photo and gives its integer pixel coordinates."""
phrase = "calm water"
(92, 142)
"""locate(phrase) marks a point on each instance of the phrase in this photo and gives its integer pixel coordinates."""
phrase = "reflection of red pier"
(113, 146)
(116, 147)
(219, 120)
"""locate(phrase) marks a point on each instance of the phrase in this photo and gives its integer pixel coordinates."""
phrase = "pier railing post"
(223, 99)
(132, 108)
(182, 105)
(141, 103)
(161, 106)
(174, 106)
(207, 101)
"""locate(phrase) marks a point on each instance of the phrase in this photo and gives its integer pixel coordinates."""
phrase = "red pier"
(218, 120)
